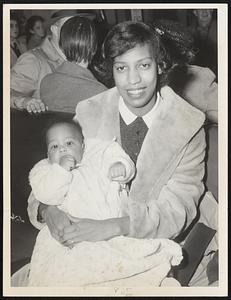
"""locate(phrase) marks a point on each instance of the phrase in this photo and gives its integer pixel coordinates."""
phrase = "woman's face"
(38, 29)
(135, 75)
(14, 29)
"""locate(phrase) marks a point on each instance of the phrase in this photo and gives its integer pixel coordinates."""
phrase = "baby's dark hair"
(59, 121)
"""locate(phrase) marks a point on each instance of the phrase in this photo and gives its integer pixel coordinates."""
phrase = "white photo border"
(222, 289)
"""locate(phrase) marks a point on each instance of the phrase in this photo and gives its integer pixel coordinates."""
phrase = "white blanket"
(120, 261)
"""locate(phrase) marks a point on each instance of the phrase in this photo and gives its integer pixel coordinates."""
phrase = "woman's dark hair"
(78, 39)
(30, 25)
(179, 48)
(171, 42)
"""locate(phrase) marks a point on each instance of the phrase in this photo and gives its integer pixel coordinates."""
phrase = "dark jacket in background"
(67, 86)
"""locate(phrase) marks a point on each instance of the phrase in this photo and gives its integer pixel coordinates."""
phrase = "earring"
(159, 70)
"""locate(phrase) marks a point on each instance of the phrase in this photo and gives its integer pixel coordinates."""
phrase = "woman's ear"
(54, 30)
(31, 31)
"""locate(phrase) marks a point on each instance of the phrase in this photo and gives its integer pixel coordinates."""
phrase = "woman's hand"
(56, 221)
(33, 105)
(93, 230)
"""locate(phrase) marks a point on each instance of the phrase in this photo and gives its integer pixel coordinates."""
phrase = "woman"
(17, 47)
(72, 81)
(161, 132)
(35, 31)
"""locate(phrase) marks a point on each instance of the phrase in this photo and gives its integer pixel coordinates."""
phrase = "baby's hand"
(117, 172)
(68, 162)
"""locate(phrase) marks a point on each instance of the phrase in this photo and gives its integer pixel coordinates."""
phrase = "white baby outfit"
(87, 192)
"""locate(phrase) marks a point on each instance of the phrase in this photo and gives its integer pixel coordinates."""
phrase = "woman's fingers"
(43, 106)
(71, 240)
(56, 221)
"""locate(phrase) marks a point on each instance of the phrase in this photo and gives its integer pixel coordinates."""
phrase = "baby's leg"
(42, 261)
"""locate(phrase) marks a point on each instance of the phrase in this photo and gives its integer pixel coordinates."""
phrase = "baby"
(87, 179)
(79, 176)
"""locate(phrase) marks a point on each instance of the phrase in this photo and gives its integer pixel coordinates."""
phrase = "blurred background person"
(33, 65)
(36, 63)
(17, 47)
(72, 81)
(35, 31)
(203, 25)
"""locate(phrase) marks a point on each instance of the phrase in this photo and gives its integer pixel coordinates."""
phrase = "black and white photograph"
(119, 111)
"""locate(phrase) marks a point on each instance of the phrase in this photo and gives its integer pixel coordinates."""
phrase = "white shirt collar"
(129, 116)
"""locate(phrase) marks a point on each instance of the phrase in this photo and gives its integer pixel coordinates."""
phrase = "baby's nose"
(62, 148)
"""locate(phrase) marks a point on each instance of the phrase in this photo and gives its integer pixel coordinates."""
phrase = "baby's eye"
(54, 147)
(69, 143)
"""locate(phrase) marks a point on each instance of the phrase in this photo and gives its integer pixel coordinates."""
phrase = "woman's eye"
(144, 66)
(121, 68)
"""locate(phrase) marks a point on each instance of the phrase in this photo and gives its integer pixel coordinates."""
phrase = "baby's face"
(63, 139)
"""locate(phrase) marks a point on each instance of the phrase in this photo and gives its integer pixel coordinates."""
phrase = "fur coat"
(168, 185)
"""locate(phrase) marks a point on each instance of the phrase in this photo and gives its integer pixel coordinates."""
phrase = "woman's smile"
(136, 93)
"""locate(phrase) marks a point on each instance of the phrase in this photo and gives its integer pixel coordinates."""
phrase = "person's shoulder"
(201, 74)
(93, 108)
(181, 109)
(98, 100)
(47, 79)
(48, 83)
(28, 57)
(27, 63)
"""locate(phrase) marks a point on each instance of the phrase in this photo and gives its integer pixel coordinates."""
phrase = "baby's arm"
(120, 167)
(49, 182)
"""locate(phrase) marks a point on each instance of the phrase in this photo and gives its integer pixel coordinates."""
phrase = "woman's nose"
(134, 77)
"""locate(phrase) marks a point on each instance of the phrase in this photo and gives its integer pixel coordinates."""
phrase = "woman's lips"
(135, 92)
